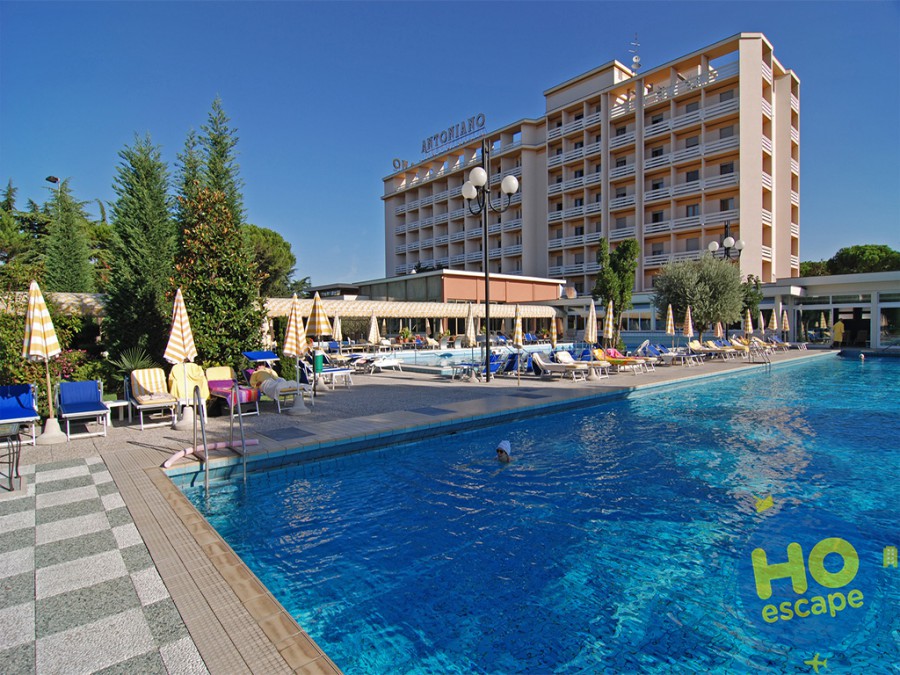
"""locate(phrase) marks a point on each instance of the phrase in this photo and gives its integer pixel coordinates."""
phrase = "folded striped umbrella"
(785, 324)
(748, 323)
(518, 336)
(720, 333)
(470, 327)
(688, 330)
(590, 328)
(553, 333)
(608, 327)
(670, 321)
(773, 321)
(40, 343)
(180, 348)
(761, 322)
(336, 333)
(295, 343)
(317, 324)
(374, 335)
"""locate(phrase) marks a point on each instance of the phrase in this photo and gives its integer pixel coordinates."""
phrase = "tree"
(710, 286)
(67, 254)
(219, 279)
(615, 280)
(220, 167)
(273, 258)
(138, 303)
(300, 287)
(751, 293)
(190, 171)
(813, 268)
(864, 258)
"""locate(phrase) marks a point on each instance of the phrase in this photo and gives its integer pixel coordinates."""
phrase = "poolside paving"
(105, 565)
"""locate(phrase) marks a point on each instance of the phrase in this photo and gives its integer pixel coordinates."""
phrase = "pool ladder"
(201, 418)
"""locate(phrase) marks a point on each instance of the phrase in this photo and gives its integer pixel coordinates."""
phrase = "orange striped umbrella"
(688, 330)
(180, 348)
(553, 333)
(40, 343)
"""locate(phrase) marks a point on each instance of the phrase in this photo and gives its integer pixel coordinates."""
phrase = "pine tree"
(67, 253)
(219, 279)
(189, 178)
(138, 303)
(220, 167)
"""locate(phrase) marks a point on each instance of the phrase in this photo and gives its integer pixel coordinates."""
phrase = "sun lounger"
(574, 371)
(221, 381)
(596, 369)
(82, 401)
(18, 405)
(148, 394)
(271, 385)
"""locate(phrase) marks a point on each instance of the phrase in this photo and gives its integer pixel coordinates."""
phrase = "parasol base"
(186, 423)
(52, 433)
(299, 407)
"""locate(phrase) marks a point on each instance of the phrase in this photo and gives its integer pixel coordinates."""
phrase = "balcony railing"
(555, 132)
(766, 253)
(592, 119)
(661, 259)
(515, 249)
(666, 92)
(513, 224)
(656, 195)
(621, 202)
(554, 216)
(555, 188)
(620, 171)
(661, 160)
(458, 236)
(767, 180)
(621, 233)
(795, 135)
(795, 198)
(592, 149)
(592, 178)
(593, 207)
(795, 230)
(575, 125)
(555, 270)
(795, 261)
(574, 212)
(441, 218)
(767, 144)
(555, 160)
(621, 109)
(554, 244)
(574, 183)
(620, 141)
(767, 108)
(767, 73)
(767, 217)
(795, 166)
(795, 104)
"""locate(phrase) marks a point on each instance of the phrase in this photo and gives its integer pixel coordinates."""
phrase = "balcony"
(458, 236)
(458, 213)
(443, 240)
(657, 128)
(554, 244)
(592, 119)
(621, 171)
(556, 132)
(592, 237)
(795, 104)
(767, 180)
(621, 202)
(555, 160)
(474, 256)
(795, 135)
(572, 155)
(555, 271)
(458, 259)
(656, 195)
(575, 125)
(795, 198)
(400, 210)
(593, 207)
(555, 188)
(620, 233)
(767, 144)
(399, 250)
(666, 92)
(795, 167)
(574, 183)
(400, 229)
(686, 223)
(455, 192)
(515, 249)
(766, 253)
(592, 178)
(687, 119)
(711, 219)
(554, 216)
(767, 108)
(660, 259)
(661, 160)
(443, 262)
(767, 73)
(686, 154)
(592, 149)
(795, 230)
(766, 217)
(494, 228)
(576, 240)
(514, 224)
(795, 261)
(719, 109)
(426, 243)
(495, 253)
(427, 201)
(474, 233)
(621, 141)
(441, 196)
(721, 145)
(656, 228)
(686, 188)
(721, 181)
(621, 109)
(441, 218)
(427, 222)
(574, 212)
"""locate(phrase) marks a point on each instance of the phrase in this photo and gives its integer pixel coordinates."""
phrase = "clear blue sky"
(325, 95)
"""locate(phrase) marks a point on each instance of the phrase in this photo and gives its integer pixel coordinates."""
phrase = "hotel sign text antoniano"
(456, 132)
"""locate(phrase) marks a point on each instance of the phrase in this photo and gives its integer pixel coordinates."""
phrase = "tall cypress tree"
(220, 167)
(219, 279)
(138, 303)
(67, 253)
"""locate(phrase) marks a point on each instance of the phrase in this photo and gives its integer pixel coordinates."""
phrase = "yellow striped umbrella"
(688, 330)
(748, 323)
(670, 324)
(470, 327)
(590, 328)
(553, 333)
(785, 324)
(608, 327)
(180, 348)
(518, 340)
(720, 333)
(773, 321)
(374, 335)
(295, 343)
(336, 333)
(761, 322)
(40, 343)
(317, 324)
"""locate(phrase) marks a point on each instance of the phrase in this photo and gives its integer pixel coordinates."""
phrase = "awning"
(409, 310)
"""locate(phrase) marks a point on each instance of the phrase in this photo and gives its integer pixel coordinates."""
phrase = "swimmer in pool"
(503, 450)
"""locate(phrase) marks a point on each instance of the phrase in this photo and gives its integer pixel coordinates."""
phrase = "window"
(726, 168)
(579, 201)
(579, 173)
(559, 261)
(558, 125)
(621, 131)
(621, 223)
(657, 151)
(579, 230)
(597, 198)
(597, 168)
(559, 151)
(726, 132)
(558, 180)
(726, 95)
(559, 206)
(692, 244)
(692, 210)
(620, 161)
(579, 144)
(597, 138)
(579, 258)
(657, 216)
(620, 192)
(657, 184)
(579, 287)
(726, 204)
(692, 175)
(557, 234)
(692, 142)
(579, 116)
(656, 248)
(693, 106)
(656, 119)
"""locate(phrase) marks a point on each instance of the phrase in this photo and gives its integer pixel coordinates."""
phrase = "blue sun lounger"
(19, 406)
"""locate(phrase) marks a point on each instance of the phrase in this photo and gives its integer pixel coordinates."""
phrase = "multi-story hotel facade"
(670, 156)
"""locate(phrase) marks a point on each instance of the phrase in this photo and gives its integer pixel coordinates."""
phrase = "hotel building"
(670, 156)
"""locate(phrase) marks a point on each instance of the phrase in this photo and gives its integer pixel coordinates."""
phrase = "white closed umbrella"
(374, 335)
(181, 349)
(295, 346)
(41, 344)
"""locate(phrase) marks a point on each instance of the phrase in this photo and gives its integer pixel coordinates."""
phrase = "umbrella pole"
(49, 390)
(299, 406)
(52, 433)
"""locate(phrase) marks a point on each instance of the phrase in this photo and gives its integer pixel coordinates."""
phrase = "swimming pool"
(613, 541)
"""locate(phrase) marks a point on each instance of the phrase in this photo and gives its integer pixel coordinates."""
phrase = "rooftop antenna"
(636, 59)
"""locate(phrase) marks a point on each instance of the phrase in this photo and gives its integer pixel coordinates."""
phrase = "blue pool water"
(612, 543)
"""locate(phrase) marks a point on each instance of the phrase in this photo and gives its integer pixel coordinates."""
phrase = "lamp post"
(477, 193)
(728, 244)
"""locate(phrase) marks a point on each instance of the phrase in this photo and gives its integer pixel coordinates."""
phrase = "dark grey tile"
(63, 511)
(136, 558)
(62, 464)
(18, 659)
(107, 488)
(165, 622)
(145, 664)
(65, 484)
(16, 590)
(431, 411)
(74, 548)
(97, 468)
(286, 433)
(118, 517)
(8, 506)
(13, 541)
(76, 608)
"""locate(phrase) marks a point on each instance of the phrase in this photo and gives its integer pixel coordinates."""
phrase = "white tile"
(126, 535)
(92, 460)
(60, 474)
(80, 573)
(101, 477)
(16, 521)
(182, 658)
(26, 469)
(95, 645)
(16, 562)
(71, 527)
(16, 625)
(112, 501)
(150, 588)
(78, 494)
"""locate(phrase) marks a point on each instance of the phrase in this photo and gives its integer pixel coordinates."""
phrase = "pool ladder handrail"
(202, 420)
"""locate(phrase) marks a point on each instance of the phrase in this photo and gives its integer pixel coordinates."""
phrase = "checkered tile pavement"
(78, 590)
